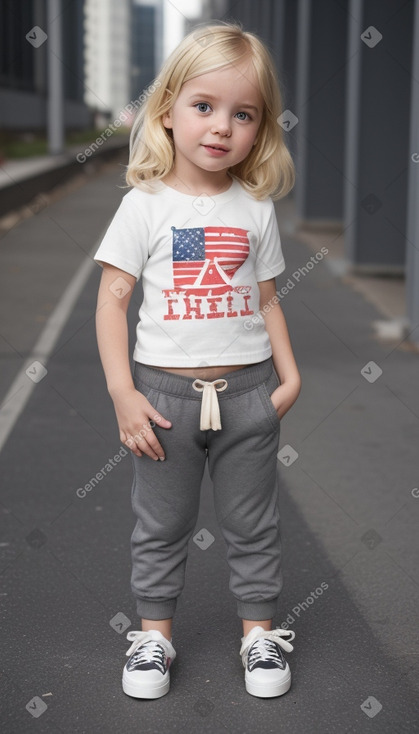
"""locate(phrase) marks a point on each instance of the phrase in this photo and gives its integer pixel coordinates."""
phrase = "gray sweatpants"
(242, 464)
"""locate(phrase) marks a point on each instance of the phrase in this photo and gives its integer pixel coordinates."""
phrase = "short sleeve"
(125, 243)
(269, 258)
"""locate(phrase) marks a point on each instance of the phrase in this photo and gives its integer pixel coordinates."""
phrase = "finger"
(150, 437)
(155, 446)
(154, 443)
(144, 445)
(160, 420)
(144, 440)
(132, 445)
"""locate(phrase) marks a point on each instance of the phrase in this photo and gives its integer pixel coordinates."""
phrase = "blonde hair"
(268, 169)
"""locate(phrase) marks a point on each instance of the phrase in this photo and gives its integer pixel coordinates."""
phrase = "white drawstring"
(210, 410)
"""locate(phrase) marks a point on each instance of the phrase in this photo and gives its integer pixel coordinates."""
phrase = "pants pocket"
(149, 392)
(265, 391)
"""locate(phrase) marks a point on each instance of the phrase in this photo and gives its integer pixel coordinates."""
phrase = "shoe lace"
(263, 650)
(150, 650)
(262, 647)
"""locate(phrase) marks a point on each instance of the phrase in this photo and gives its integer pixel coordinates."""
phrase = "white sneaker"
(267, 672)
(146, 674)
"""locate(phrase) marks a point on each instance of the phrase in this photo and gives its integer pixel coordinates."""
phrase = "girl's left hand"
(285, 396)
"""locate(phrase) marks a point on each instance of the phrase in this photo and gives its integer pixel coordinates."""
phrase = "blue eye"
(246, 116)
(201, 105)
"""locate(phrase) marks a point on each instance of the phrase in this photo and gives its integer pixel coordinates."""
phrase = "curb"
(21, 192)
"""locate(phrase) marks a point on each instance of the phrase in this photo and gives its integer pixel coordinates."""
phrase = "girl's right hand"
(136, 418)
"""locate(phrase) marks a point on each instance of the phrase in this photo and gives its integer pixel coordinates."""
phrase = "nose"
(220, 124)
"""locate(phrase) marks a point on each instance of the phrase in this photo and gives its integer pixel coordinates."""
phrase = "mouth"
(217, 147)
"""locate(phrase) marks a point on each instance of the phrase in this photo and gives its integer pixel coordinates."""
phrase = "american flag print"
(207, 257)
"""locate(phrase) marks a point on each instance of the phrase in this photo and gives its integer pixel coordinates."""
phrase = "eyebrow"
(204, 95)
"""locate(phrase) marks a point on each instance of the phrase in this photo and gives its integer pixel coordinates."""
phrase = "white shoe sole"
(268, 690)
(136, 690)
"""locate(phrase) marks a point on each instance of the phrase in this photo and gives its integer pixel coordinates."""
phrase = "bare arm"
(283, 357)
(133, 411)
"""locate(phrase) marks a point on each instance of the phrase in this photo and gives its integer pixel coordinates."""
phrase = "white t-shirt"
(200, 259)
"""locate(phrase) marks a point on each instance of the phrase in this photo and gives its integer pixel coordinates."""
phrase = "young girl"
(214, 372)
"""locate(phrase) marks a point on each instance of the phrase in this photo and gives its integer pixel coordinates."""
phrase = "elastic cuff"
(152, 609)
(258, 610)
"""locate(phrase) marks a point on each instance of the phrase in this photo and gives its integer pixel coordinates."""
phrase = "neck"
(199, 183)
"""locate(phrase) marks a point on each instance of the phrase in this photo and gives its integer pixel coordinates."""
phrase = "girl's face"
(214, 122)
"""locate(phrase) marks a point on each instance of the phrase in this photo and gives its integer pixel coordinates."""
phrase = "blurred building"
(144, 43)
(178, 18)
(349, 75)
(158, 26)
(23, 65)
(108, 39)
(348, 72)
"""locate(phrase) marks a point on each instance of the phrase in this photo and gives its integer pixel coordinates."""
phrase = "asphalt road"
(349, 515)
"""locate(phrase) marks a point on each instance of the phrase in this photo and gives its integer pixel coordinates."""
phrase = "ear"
(167, 120)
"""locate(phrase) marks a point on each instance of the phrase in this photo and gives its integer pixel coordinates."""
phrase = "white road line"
(22, 386)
